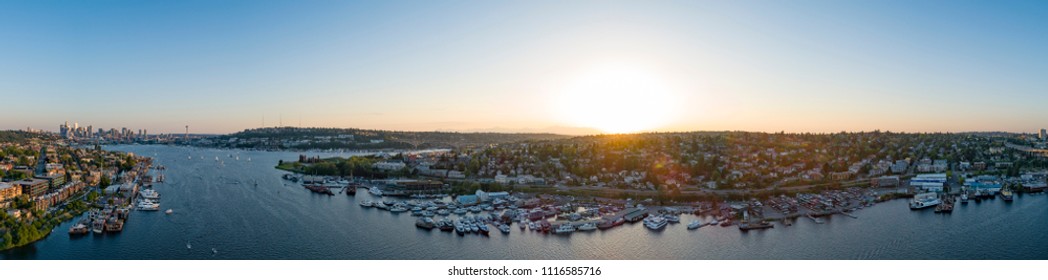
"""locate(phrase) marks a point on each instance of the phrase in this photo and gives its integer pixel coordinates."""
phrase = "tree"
(8, 240)
(104, 182)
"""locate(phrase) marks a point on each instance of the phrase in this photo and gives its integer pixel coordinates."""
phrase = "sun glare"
(616, 99)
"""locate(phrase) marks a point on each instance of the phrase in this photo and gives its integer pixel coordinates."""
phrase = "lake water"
(217, 205)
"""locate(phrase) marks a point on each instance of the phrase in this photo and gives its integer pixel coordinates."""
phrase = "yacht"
(504, 228)
(443, 212)
(375, 191)
(672, 218)
(474, 209)
(588, 227)
(380, 205)
(149, 194)
(147, 205)
(169, 211)
(565, 228)
(483, 229)
(460, 211)
(655, 222)
(366, 203)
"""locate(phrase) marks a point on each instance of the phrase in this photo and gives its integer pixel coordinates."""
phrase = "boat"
(726, 223)
(380, 205)
(149, 194)
(114, 225)
(588, 227)
(655, 222)
(398, 208)
(504, 228)
(611, 223)
(483, 229)
(375, 191)
(443, 212)
(694, 224)
(425, 223)
(564, 229)
(189, 246)
(147, 205)
(745, 226)
(79, 229)
(351, 190)
(964, 198)
(473, 228)
(460, 211)
(366, 203)
(98, 226)
(672, 218)
(446, 225)
(475, 209)
(1007, 195)
(460, 228)
(319, 189)
(169, 211)
(924, 200)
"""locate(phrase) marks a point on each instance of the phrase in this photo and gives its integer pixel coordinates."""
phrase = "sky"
(795, 66)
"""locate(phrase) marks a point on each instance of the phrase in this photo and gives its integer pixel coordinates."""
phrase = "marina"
(342, 227)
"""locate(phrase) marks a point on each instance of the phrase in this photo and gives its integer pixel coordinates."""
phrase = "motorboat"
(694, 224)
(147, 205)
(588, 227)
(149, 194)
(504, 228)
(366, 203)
(425, 223)
(672, 218)
(169, 211)
(564, 229)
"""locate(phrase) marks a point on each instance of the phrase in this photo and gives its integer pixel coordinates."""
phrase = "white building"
(389, 165)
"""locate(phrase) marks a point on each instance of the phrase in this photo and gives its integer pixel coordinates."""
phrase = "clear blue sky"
(222, 66)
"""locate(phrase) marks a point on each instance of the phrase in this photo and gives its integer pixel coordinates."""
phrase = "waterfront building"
(418, 186)
(885, 181)
(486, 196)
(933, 182)
(53, 181)
(9, 191)
(389, 165)
(33, 187)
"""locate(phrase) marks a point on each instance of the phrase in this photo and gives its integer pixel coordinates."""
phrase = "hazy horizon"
(538, 66)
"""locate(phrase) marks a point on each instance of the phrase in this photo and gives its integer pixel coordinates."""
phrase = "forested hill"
(352, 138)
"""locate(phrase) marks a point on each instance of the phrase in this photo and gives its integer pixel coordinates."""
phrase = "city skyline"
(813, 66)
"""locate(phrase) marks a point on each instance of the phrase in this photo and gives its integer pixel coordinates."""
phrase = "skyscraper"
(1044, 134)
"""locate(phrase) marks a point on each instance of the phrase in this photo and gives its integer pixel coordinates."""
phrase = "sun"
(616, 99)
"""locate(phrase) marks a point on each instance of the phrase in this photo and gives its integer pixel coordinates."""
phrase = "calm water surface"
(217, 205)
